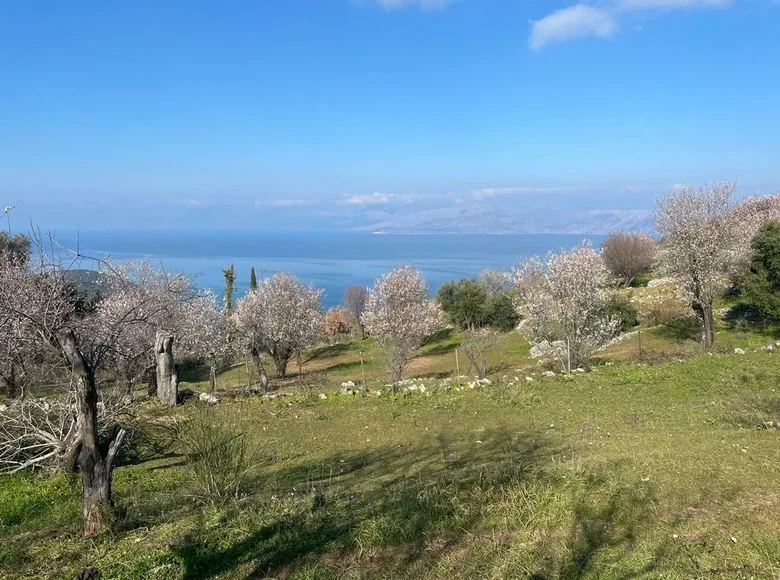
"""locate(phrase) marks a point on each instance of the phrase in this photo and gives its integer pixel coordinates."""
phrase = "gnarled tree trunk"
(9, 382)
(167, 380)
(259, 367)
(95, 458)
(281, 356)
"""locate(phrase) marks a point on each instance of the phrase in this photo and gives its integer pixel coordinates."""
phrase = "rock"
(323, 396)
(545, 348)
(208, 398)
(578, 370)
(3, 408)
(660, 282)
(88, 574)
(739, 351)
(548, 373)
(186, 395)
(769, 424)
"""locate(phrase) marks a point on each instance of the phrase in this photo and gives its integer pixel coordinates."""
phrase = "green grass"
(630, 471)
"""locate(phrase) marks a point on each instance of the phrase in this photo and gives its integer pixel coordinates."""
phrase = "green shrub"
(760, 285)
(622, 308)
(216, 457)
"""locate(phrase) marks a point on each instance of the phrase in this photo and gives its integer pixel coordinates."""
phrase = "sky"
(341, 113)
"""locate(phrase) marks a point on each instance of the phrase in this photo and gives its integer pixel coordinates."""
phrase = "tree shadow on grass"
(389, 498)
(330, 351)
(741, 317)
(602, 524)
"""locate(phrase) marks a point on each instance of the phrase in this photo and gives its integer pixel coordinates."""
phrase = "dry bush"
(627, 255)
(217, 459)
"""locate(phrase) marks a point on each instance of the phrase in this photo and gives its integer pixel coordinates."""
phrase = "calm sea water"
(330, 260)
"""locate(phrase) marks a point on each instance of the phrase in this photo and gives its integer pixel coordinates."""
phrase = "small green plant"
(622, 308)
(217, 458)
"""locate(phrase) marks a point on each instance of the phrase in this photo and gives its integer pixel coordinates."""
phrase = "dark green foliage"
(15, 249)
(229, 274)
(622, 308)
(500, 312)
(252, 279)
(464, 302)
(641, 280)
(761, 283)
(469, 305)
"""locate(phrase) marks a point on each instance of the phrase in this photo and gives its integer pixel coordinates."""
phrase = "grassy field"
(655, 469)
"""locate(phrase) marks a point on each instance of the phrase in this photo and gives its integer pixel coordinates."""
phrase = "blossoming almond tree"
(281, 317)
(563, 300)
(203, 332)
(399, 314)
(699, 244)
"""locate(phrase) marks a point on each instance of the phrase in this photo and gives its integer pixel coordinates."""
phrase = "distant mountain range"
(490, 220)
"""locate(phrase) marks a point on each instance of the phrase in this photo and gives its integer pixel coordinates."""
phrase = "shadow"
(605, 525)
(440, 375)
(439, 336)
(438, 350)
(330, 351)
(389, 498)
(343, 366)
(681, 328)
(741, 317)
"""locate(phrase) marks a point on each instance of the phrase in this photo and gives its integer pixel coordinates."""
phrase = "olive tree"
(354, 302)
(281, 317)
(399, 314)
(698, 244)
(38, 301)
(563, 299)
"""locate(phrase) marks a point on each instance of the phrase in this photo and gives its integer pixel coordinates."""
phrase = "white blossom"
(563, 299)
(281, 317)
(399, 314)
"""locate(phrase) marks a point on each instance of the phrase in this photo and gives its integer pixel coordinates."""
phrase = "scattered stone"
(548, 373)
(739, 351)
(323, 396)
(208, 398)
(528, 379)
(578, 370)
(545, 348)
(660, 282)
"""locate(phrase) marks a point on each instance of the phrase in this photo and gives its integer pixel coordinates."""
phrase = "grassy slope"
(629, 471)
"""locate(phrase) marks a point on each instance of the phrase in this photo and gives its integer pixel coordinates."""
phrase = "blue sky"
(253, 114)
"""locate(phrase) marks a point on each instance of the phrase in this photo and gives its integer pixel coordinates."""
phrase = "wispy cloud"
(488, 192)
(601, 19)
(396, 4)
(284, 202)
(375, 198)
(570, 23)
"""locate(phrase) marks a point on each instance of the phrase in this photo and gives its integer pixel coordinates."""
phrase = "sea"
(329, 260)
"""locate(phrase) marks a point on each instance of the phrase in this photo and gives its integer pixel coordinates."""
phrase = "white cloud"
(574, 22)
(396, 4)
(649, 4)
(488, 192)
(375, 198)
(602, 19)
